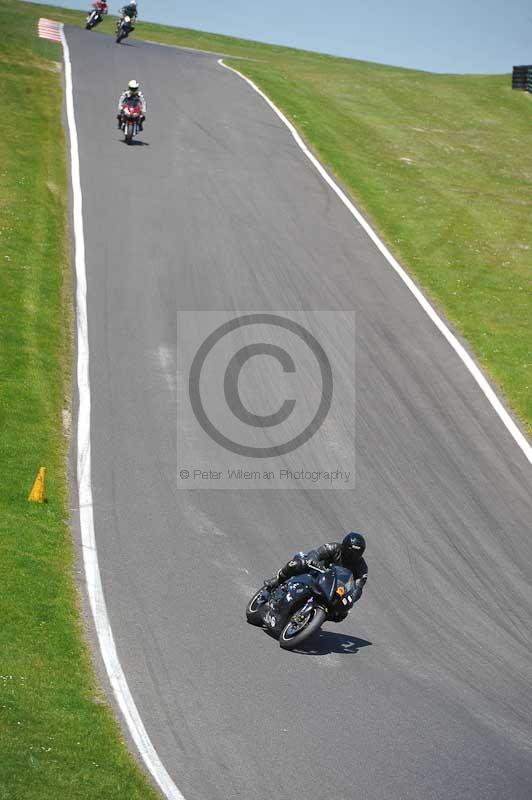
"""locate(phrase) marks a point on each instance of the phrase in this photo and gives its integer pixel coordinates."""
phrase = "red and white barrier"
(48, 29)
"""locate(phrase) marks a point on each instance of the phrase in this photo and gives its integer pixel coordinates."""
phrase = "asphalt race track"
(426, 690)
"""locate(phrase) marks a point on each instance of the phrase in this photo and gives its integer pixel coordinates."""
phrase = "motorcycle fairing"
(286, 600)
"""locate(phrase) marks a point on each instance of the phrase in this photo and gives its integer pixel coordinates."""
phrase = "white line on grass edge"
(422, 300)
(88, 540)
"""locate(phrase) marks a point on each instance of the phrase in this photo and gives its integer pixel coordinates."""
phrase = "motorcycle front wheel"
(300, 626)
(130, 130)
(254, 608)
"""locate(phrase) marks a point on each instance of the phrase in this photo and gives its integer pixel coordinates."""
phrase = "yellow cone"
(37, 493)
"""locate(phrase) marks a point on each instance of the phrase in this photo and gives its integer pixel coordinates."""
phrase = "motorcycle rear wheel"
(253, 609)
(295, 632)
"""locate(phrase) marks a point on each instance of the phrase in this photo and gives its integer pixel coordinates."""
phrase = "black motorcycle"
(124, 28)
(299, 607)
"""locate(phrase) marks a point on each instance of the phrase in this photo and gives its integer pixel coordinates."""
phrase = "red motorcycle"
(99, 10)
(132, 118)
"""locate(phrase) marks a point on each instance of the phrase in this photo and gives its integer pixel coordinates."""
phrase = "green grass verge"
(59, 738)
(442, 166)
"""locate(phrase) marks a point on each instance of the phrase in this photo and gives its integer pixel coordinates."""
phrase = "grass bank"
(441, 164)
(59, 738)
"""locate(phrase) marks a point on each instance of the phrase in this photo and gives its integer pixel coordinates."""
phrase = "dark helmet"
(353, 547)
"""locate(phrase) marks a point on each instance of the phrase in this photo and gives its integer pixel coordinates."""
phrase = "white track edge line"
(106, 641)
(459, 349)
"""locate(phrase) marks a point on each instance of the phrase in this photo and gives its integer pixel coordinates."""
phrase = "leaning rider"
(348, 553)
(101, 6)
(132, 92)
(129, 10)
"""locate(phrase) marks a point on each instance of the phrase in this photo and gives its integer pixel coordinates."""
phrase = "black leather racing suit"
(324, 556)
(128, 11)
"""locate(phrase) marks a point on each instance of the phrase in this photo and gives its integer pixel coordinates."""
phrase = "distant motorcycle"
(131, 118)
(97, 14)
(124, 28)
(299, 607)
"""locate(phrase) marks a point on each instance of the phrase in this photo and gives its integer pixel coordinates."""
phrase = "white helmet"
(133, 87)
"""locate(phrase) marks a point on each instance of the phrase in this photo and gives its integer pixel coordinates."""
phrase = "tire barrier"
(522, 78)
